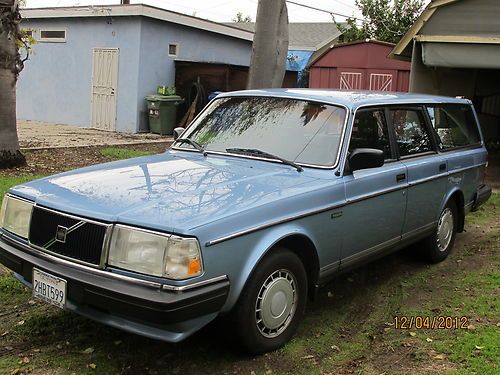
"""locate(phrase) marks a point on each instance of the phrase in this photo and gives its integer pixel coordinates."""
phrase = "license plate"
(49, 288)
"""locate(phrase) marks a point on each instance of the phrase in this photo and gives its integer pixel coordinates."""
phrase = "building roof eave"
(136, 10)
(401, 48)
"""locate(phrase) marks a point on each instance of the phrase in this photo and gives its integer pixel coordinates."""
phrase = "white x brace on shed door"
(350, 81)
(104, 88)
(381, 82)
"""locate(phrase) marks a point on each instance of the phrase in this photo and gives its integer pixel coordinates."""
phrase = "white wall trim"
(458, 39)
(50, 40)
(177, 47)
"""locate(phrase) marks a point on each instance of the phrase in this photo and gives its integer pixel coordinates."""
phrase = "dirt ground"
(41, 162)
(33, 135)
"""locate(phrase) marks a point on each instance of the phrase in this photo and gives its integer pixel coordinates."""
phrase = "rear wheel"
(440, 243)
(272, 304)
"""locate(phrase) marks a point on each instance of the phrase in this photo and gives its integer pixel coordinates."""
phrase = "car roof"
(352, 99)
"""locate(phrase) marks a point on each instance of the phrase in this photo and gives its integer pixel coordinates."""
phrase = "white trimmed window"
(52, 35)
(173, 49)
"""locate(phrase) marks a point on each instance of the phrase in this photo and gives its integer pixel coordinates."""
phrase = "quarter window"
(454, 125)
(411, 135)
(370, 131)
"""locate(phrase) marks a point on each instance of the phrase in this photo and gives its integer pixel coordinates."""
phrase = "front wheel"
(272, 304)
(440, 243)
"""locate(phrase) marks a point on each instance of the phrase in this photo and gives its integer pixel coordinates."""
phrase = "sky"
(225, 10)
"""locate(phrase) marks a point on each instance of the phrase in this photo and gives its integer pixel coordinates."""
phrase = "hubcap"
(445, 229)
(276, 303)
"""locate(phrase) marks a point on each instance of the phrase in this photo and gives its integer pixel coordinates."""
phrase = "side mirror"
(364, 158)
(178, 132)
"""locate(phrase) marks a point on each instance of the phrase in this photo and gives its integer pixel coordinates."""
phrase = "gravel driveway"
(38, 135)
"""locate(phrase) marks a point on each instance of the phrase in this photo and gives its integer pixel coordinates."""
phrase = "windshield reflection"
(297, 130)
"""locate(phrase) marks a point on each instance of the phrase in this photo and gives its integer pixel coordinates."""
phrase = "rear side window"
(411, 134)
(370, 131)
(454, 125)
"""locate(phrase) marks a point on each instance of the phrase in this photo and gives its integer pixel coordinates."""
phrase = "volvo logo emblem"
(61, 233)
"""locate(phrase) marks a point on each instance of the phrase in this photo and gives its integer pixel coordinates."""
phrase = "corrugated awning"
(461, 55)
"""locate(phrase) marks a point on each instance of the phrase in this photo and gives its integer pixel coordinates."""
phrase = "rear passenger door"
(376, 200)
(427, 170)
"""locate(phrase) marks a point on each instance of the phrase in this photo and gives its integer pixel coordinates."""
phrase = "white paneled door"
(104, 88)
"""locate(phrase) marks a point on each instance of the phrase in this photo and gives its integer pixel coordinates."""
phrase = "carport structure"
(454, 48)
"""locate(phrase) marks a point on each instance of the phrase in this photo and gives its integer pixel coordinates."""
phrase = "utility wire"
(325, 11)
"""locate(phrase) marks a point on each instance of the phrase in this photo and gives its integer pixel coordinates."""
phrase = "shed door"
(380, 82)
(351, 81)
(104, 88)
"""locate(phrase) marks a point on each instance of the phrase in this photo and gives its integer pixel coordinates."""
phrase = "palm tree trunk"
(10, 155)
(270, 45)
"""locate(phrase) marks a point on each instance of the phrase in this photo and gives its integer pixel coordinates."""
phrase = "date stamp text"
(431, 322)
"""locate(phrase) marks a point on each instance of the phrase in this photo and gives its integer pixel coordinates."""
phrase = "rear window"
(412, 136)
(454, 125)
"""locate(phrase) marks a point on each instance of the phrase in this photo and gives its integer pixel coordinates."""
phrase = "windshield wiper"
(263, 154)
(195, 144)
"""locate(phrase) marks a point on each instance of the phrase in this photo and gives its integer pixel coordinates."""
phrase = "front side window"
(454, 125)
(370, 131)
(297, 130)
(411, 135)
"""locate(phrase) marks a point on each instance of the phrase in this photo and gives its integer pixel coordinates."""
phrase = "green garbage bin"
(162, 111)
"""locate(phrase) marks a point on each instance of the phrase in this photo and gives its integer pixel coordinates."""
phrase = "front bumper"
(141, 307)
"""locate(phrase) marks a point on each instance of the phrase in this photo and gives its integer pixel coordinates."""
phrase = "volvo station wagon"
(266, 196)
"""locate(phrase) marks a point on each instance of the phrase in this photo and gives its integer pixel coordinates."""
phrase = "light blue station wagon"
(267, 195)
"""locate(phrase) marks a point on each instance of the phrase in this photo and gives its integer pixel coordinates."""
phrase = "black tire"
(280, 266)
(436, 250)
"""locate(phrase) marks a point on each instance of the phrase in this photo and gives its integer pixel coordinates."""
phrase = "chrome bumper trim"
(111, 275)
(180, 289)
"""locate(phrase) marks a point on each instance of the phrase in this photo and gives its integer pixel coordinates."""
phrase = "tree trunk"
(10, 155)
(270, 45)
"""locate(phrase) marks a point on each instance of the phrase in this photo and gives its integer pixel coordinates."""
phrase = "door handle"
(442, 167)
(401, 177)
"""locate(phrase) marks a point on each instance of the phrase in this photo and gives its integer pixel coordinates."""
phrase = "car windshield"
(299, 131)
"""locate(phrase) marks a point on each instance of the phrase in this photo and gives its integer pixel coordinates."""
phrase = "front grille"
(77, 238)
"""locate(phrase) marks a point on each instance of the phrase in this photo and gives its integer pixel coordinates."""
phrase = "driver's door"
(376, 197)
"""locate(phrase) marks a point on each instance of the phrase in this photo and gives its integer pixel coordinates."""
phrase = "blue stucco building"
(93, 66)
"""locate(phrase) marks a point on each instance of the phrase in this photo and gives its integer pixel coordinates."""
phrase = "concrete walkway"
(38, 135)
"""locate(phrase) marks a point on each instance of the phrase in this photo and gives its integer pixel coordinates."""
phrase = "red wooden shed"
(359, 66)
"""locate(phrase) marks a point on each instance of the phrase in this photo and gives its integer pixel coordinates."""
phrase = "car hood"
(174, 191)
